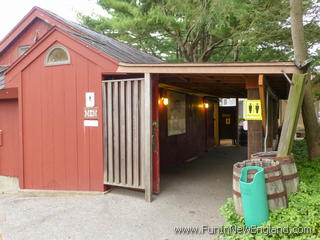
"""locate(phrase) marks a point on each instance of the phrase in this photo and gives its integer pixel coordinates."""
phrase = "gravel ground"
(191, 196)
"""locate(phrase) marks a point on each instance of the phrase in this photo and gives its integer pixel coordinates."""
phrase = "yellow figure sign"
(253, 110)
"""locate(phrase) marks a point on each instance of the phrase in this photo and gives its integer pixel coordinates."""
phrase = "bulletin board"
(176, 113)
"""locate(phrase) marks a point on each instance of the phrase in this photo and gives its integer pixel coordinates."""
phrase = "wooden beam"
(252, 83)
(292, 113)
(147, 154)
(210, 68)
(185, 90)
(9, 93)
(201, 79)
(262, 94)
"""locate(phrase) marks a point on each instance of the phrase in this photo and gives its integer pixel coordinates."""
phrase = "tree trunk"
(311, 125)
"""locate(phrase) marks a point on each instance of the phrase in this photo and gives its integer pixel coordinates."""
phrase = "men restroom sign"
(90, 113)
(253, 110)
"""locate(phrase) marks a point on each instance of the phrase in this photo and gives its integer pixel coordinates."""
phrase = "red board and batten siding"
(198, 138)
(58, 152)
(37, 29)
(155, 133)
(9, 144)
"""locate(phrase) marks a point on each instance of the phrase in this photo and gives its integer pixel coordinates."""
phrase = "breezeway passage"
(191, 196)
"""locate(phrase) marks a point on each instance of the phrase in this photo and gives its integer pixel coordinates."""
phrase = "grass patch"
(303, 206)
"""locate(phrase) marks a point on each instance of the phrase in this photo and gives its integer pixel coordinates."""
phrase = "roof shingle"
(112, 47)
(3, 68)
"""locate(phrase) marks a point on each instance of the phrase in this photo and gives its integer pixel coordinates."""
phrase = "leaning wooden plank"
(291, 117)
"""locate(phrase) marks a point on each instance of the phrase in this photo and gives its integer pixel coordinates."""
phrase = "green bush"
(303, 206)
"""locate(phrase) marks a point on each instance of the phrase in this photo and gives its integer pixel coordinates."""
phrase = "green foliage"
(205, 30)
(303, 206)
(300, 152)
(316, 81)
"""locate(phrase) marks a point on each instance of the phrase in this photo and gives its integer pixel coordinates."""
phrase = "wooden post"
(216, 124)
(292, 113)
(276, 122)
(270, 122)
(262, 94)
(147, 137)
(237, 122)
(255, 131)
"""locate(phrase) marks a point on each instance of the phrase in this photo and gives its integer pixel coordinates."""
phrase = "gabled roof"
(110, 46)
(113, 48)
(54, 35)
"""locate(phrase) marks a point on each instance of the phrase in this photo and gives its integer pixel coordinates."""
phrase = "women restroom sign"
(253, 110)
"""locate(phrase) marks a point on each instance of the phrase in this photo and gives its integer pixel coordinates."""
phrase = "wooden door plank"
(135, 132)
(142, 132)
(110, 133)
(122, 109)
(129, 131)
(116, 132)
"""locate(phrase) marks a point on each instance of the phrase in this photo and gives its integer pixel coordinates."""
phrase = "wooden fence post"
(147, 135)
(291, 117)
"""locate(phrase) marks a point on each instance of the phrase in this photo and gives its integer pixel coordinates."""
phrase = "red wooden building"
(81, 111)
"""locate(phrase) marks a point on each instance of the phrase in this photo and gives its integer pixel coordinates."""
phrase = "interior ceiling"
(224, 86)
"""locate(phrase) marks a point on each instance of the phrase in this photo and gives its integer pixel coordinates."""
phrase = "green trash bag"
(254, 197)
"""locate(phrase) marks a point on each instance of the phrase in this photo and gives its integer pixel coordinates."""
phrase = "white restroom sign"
(253, 110)
(90, 99)
(90, 113)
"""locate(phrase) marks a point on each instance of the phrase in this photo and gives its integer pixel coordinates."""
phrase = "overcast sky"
(12, 11)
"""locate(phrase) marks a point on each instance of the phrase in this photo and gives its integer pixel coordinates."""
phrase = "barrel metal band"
(268, 179)
(266, 170)
(269, 196)
(292, 176)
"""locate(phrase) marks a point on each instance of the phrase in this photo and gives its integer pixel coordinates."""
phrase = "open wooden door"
(127, 133)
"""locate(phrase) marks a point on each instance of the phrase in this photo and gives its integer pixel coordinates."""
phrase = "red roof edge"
(15, 29)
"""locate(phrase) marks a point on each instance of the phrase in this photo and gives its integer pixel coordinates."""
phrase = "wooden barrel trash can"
(276, 192)
(288, 167)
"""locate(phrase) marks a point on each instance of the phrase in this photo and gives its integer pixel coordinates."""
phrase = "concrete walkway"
(191, 196)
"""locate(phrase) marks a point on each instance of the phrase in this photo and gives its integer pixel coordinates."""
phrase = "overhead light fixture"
(206, 105)
(165, 101)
